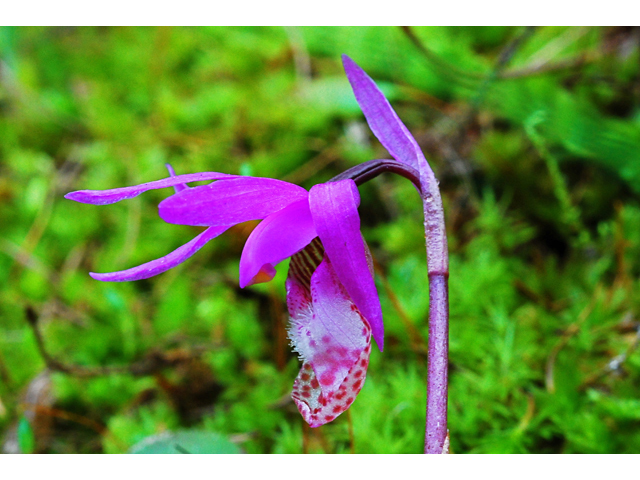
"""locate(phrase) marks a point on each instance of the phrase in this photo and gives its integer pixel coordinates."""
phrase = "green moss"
(540, 193)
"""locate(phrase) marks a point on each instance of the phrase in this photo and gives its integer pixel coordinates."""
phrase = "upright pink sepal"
(382, 118)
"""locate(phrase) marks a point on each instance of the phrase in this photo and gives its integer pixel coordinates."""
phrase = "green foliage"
(538, 162)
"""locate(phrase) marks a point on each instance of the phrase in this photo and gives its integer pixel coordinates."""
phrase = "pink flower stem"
(436, 435)
(437, 384)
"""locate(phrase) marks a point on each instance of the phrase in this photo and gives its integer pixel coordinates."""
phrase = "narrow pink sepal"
(230, 202)
(279, 236)
(382, 119)
(106, 197)
(162, 264)
(334, 207)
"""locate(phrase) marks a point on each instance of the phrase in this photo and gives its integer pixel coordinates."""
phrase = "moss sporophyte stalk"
(332, 299)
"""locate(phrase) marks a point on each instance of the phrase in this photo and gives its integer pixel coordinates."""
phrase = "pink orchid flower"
(331, 295)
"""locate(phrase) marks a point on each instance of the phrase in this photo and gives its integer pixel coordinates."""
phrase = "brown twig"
(570, 331)
(446, 68)
(613, 365)
(306, 430)
(312, 438)
(25, 258)
(313, 166)
(64, 415)
(97, 427)
(153, 362)
(505, 56)
(4, 372)
(552, 67)
(279, 317)
(301, 58)
(528, 414)
(352, 438)
(537, 68)
(418, 345)
(456, 139)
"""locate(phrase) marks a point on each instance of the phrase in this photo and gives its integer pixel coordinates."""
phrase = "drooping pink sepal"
(162, 264)
(334, 208)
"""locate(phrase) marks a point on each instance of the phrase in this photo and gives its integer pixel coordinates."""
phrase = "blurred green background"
(534, 134)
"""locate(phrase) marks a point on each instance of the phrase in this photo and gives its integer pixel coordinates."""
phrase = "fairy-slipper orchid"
(331, 296)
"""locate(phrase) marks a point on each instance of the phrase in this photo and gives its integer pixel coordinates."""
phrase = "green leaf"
(186, 441)
(26, 437)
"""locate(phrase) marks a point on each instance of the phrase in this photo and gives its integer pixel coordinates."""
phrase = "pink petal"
(334, 341)
(162, 264)
(230, 202)
(382, 119)
(334, 207)
(278, 236)
(105, 197)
